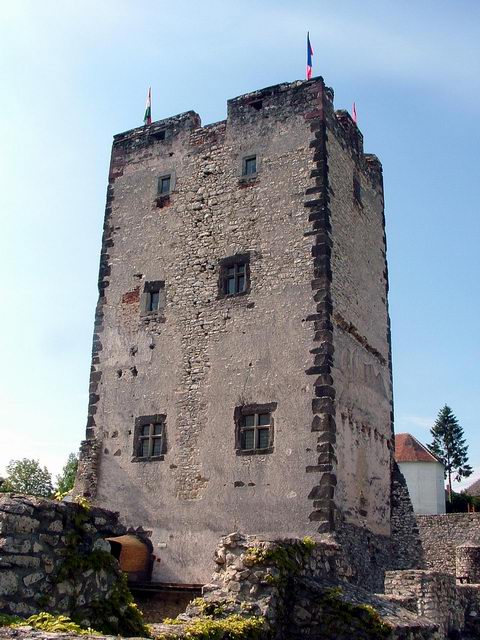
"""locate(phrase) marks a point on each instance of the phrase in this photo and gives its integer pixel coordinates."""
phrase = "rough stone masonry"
(241, 366)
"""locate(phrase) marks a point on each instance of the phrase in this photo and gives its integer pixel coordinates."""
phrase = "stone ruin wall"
(37, 536)
(442, 534)
(289, 584)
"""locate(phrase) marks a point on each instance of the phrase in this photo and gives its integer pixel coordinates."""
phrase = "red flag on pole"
(354, 113)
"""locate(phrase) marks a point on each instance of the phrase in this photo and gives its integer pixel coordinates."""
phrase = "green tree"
(27, 476)
(66, 479)
(449, 445)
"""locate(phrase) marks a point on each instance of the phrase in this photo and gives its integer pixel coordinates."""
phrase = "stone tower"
(241, 370)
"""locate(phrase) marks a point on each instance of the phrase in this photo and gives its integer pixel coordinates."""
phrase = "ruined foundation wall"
(40, 546)
(435, 594)
(441, 534)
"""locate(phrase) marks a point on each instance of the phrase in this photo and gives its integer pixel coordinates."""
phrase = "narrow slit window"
(153, 298)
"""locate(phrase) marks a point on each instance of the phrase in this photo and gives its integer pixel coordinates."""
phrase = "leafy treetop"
(27, 476)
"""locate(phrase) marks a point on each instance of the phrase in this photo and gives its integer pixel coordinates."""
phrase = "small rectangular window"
(234, 275)
(153, 298)
(150, 441)
(164, 185)
(250, 166)
(254, 424)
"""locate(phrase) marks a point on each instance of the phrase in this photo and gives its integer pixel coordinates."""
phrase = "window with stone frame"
(234, 276)
(164, 185)
(249, 166)
(150, 438)
(254, 429)
(152, 301)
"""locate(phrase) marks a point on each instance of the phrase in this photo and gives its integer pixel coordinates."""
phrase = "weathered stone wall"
(435, 593)
(206, 355)
(298, 589)
(407, 549)
(470, 599)
(42, 547)
(441, 534)
(361, 373)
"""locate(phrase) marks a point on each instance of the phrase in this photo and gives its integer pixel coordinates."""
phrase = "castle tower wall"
(361, 331)
(280, 348)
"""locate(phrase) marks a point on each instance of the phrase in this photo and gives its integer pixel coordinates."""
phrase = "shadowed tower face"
(241, 371)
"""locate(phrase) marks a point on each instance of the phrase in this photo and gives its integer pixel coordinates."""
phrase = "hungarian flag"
(309, 57)
(354, 113)
(147, 118)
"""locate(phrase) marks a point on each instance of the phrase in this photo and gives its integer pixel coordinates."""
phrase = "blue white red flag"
(309, 57)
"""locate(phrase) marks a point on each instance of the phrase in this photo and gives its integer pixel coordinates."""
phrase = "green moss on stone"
(343, 620)
(233, 627)
(7, 620)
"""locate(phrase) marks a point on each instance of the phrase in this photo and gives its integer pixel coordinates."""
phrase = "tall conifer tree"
(449, 445)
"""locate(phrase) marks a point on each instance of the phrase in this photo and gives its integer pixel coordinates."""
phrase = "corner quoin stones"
(310, 336)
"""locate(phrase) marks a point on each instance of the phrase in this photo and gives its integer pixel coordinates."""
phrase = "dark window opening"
(153, 298)
(357, 190)
(234, 276)
(250, 166)
(159, 135)
(154, 301)
(254, 425)
(235, 279)
(164, 183)
(150, 440)
(257, 105)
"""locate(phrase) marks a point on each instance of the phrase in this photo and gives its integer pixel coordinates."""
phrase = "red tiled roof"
(409, 449)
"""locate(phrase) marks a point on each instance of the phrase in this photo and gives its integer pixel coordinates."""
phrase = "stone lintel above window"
(234, 276)
(254, 429)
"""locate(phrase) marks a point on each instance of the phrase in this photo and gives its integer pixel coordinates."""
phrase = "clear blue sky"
(75, 73)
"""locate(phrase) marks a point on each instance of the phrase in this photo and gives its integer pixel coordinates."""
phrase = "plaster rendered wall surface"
(426, 485)
(362, 375)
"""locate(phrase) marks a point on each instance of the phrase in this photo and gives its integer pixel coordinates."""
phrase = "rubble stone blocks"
(37, 536)
(299, 588)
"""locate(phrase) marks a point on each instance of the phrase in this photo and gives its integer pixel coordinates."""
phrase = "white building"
(424, 474)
